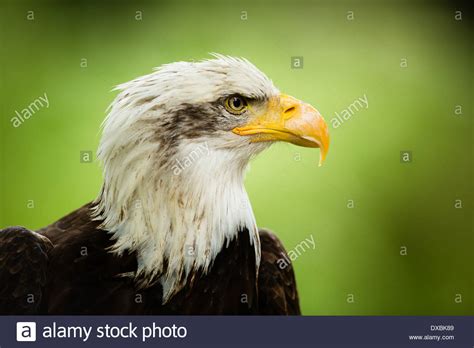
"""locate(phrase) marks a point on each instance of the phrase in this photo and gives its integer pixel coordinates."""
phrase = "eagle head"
(174, 148)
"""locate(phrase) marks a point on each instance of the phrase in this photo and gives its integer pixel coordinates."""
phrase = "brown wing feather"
(88, 283)
(23, 267)
(276, 285)
(84, 277)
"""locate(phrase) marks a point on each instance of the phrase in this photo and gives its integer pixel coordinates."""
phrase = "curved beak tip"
(324, 143)
(322, 156)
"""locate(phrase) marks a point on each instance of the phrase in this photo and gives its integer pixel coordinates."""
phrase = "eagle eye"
(236, 104)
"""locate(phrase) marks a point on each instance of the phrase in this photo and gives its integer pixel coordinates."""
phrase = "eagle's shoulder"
(84, 275)
(23, 270)
(276, 279)
(78, 224)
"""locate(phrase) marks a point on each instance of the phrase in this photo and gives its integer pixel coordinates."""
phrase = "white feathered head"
(174, 148)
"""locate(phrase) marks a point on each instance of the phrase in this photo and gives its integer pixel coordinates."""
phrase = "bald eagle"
(172, 230)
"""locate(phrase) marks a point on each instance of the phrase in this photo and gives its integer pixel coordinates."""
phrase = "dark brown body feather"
(80, 276)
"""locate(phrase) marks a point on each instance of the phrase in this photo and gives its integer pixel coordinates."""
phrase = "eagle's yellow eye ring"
(236, 104)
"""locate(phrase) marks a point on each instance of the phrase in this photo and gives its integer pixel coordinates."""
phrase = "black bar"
(198, 331)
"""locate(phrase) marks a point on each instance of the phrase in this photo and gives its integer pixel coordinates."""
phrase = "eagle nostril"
(290, 110)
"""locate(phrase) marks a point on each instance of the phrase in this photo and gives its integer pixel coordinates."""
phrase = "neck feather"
(179, 215)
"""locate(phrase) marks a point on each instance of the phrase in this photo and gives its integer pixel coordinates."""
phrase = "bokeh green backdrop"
(412, 107)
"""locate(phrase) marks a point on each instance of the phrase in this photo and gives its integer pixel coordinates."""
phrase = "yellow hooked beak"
(289, 119)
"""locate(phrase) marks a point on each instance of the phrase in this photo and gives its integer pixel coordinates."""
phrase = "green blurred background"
(357, 267)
